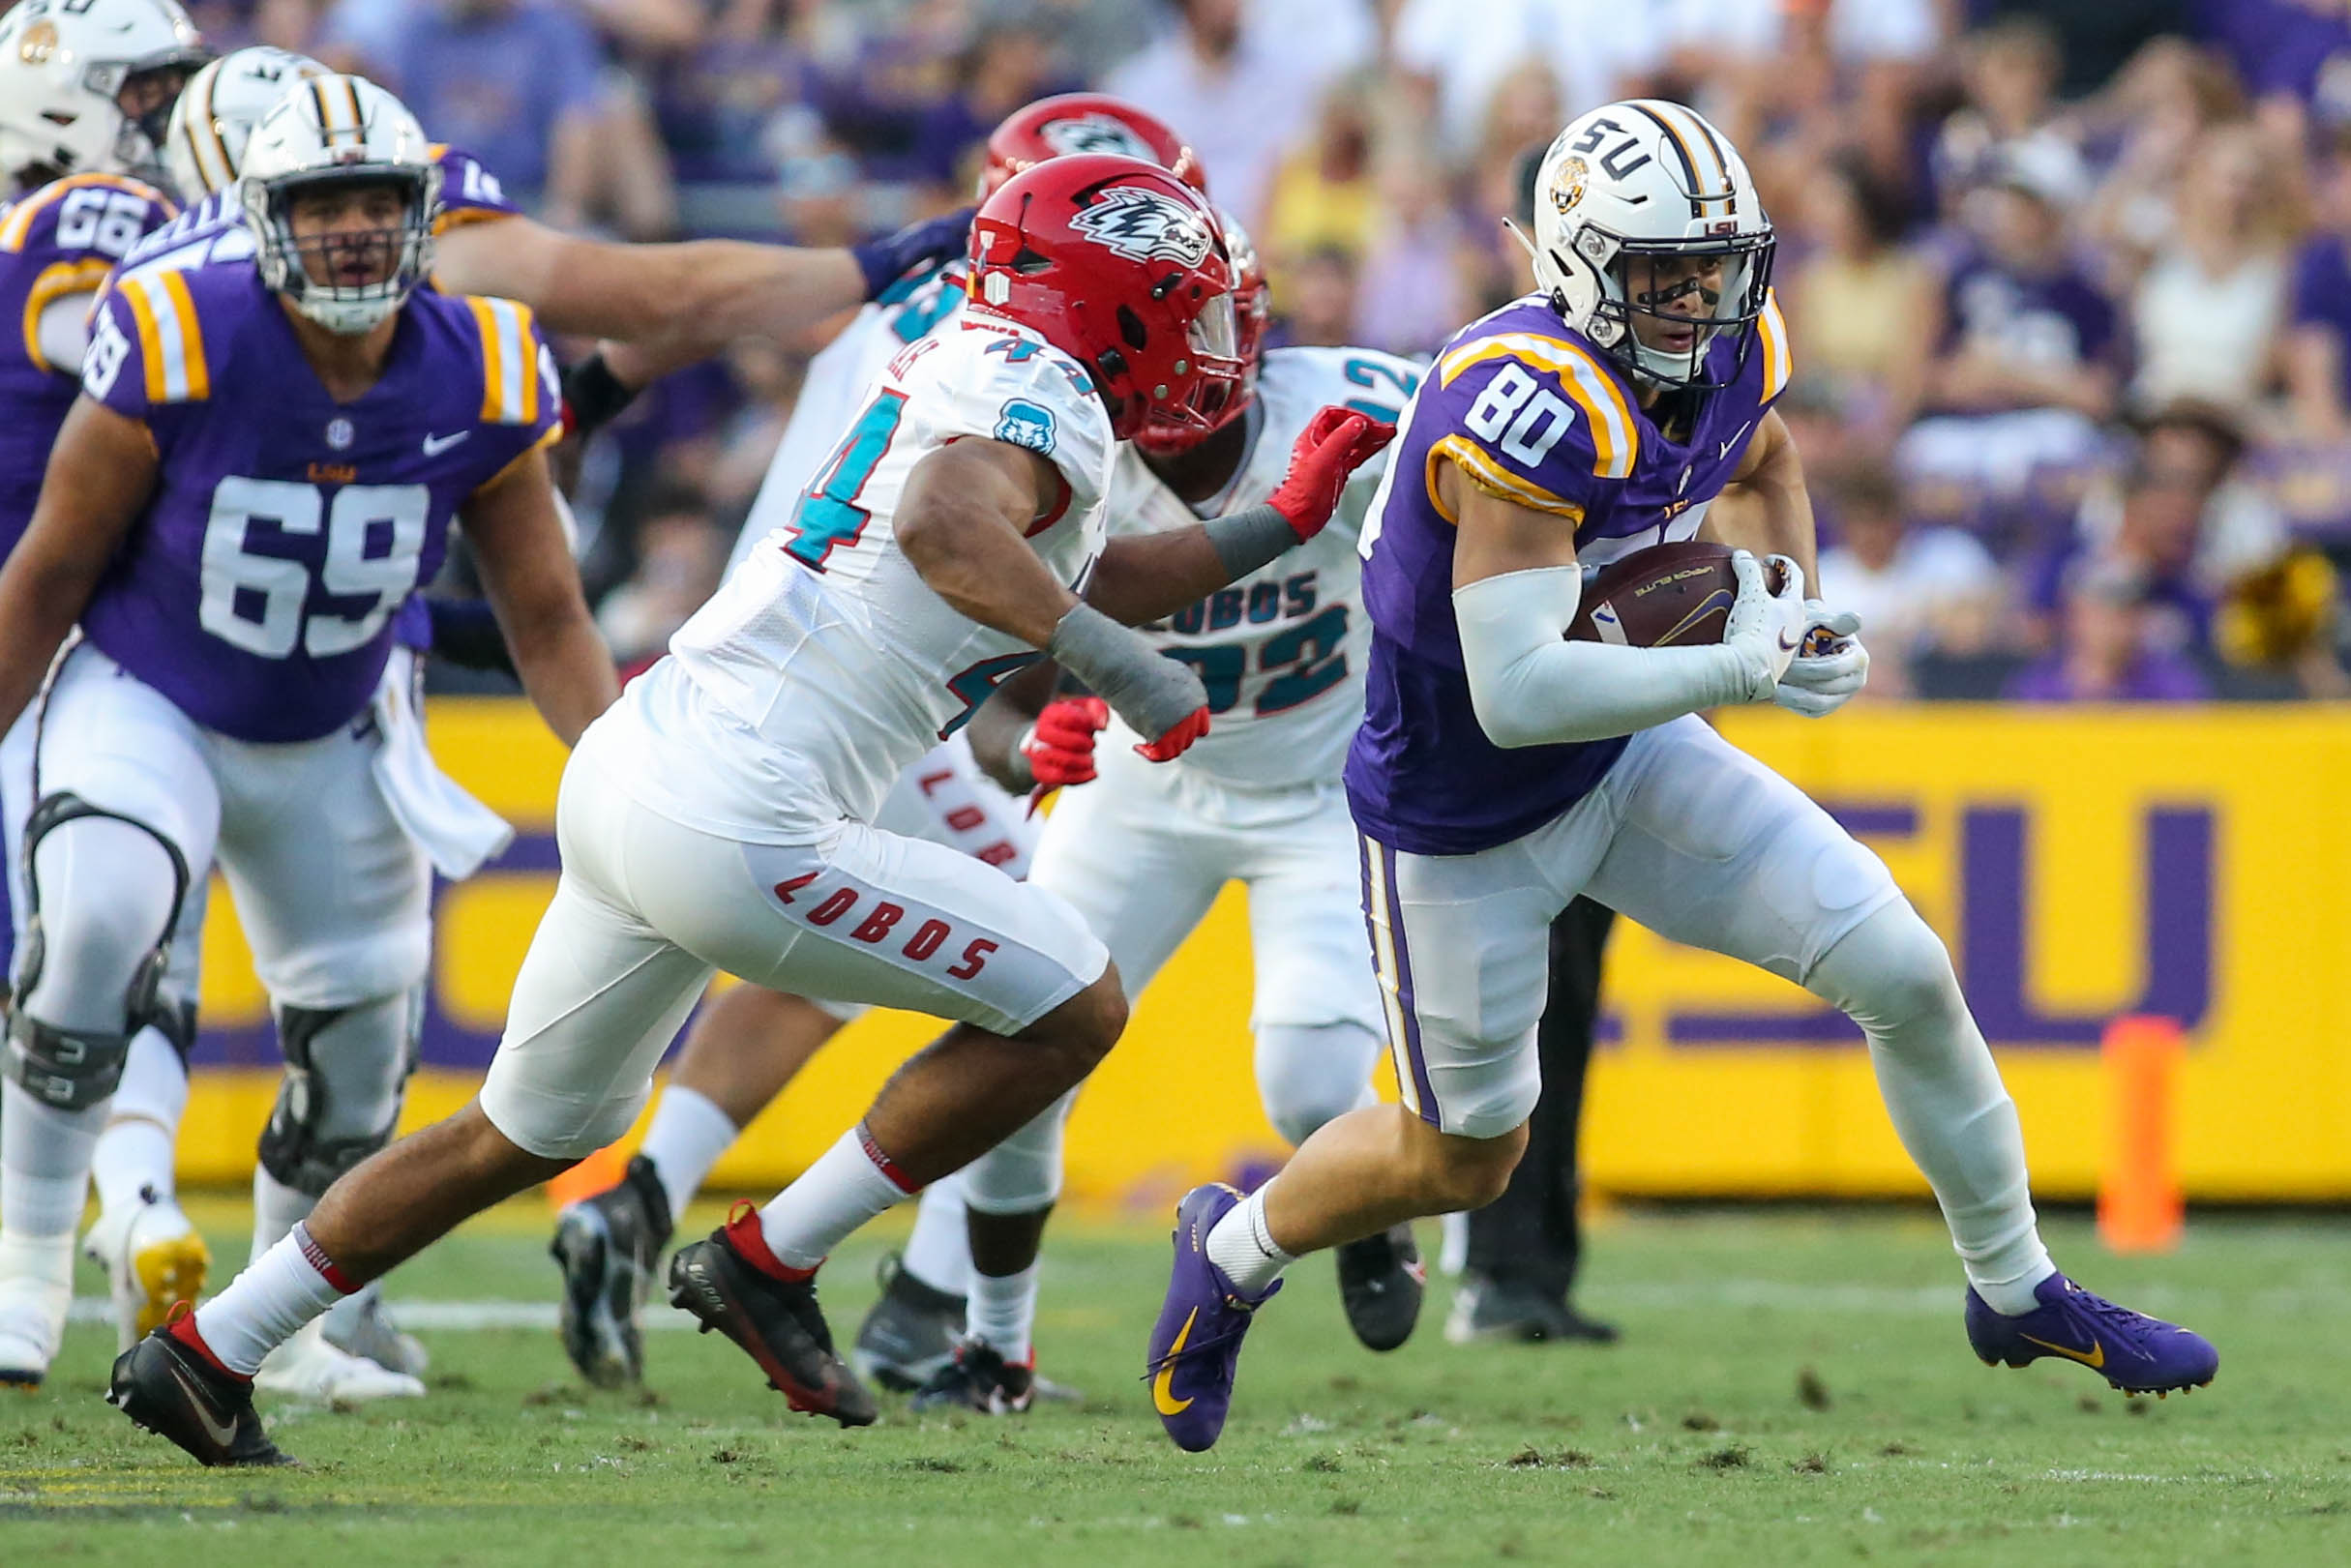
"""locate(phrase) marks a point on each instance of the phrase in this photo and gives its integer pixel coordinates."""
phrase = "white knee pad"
(345, 1068)
(1023, 1173)
(1308, 1073)
(1889, 972)
(105, 892)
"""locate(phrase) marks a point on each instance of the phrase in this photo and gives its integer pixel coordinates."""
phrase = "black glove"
(925, 243)
(592, 395)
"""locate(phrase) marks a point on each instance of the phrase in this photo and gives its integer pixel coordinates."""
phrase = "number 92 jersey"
(1281, 651)
(58, 243)
(1528, 409)
(256, 587)
(826, 640)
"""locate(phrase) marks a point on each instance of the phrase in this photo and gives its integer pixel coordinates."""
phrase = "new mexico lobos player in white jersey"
(719, 816)
(1143, 851)
(670, 303)
(748, 1042)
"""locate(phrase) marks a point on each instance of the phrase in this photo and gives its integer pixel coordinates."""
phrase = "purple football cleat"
(2133, 1351)
(1195, 1348)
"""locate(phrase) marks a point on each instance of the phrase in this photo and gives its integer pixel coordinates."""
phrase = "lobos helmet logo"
(1145, 226)
(1095, 134)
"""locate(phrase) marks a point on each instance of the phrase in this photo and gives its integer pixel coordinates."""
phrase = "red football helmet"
(1121, 266)
(1252, 313)
(1086, 123)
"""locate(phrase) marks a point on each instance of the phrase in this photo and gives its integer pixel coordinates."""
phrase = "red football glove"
(1177, 741)
(1334, 444)
(1061, 746)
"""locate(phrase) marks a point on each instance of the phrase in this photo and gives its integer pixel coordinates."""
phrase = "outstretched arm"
(99, 474)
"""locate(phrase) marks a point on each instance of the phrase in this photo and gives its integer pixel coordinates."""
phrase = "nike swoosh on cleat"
(1163, 1386)
(225, 1436)
(436, 445)
(2094, 1356)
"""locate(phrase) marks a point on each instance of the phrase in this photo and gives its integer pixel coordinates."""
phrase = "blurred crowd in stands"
(2070, 284)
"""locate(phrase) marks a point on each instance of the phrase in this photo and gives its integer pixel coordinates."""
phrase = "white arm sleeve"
(1531, 687)
(64, 332)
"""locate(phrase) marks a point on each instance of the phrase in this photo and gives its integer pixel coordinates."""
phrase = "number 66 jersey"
(258, 586)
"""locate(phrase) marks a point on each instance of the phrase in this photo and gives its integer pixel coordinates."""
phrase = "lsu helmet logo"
(1095, 134)
(1145, 226)
(1568, 189)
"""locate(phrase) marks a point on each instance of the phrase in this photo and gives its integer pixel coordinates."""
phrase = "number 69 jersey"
(257, 585)
(826, 641)
(1281, 651)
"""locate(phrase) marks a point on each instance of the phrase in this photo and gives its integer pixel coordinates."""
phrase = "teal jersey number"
(1306, 660)
(1382, 379)
(828, 513)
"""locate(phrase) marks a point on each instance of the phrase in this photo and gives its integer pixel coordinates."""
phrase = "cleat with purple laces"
(1195, 1348)
(2133, 1351)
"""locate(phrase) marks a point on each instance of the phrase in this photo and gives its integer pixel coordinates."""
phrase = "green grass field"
(1794, 1388)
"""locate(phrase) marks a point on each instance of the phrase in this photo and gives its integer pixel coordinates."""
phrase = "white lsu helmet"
(218, 110)
(63, 62)
(335, 130)
(1650, 177)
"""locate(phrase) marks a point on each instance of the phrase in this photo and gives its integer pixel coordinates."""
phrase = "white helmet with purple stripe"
(218, 110)
(1647, 178)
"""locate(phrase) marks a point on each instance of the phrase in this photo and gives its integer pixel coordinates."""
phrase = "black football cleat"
(909, 1333)
(1381, 1283)
(607, 1246)
(775, 1320)
(1489, 1311)
(978, 1377)
(172, 1390)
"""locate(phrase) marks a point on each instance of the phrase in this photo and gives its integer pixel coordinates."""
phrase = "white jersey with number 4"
(825, 664)
(834, 388)
(1282, 651)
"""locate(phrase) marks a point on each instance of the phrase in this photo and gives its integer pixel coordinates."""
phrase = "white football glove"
(1832, 665)
(1765, 628)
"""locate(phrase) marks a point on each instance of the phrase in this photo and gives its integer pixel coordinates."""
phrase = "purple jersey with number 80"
(256, 587)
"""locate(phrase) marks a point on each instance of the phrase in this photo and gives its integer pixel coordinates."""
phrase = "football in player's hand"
(1669, 596)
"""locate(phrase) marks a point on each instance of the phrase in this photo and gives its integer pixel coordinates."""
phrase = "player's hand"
(1178, 739)
(1335, 443)
(924, 244)
(1059, 747)
(1766, 626)
(1830, 666)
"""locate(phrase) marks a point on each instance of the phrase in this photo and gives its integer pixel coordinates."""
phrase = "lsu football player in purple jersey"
(1501, 768)
(263, 462)
(84, 91)
(672, 303)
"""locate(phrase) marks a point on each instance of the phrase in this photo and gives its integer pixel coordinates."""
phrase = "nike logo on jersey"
(436, 445)
(2094, 1356)
(1724, 450)
(222, 1433)
(1163, 1386)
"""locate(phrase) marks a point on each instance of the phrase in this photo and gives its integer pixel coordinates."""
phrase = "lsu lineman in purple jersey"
(84, 90)
(1501, 769)
(265, 459)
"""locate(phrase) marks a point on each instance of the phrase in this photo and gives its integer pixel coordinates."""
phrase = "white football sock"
(939, 1254)
(134, 1157)
(1241, 1248)
(269, 1303)
(844, 1188)
(45, 1163)
(688, 1135)
(1944, 1093)
(1002, 1311)
(277, 1209)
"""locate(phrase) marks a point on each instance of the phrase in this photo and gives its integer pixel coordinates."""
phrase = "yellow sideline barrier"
(2187, 863)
